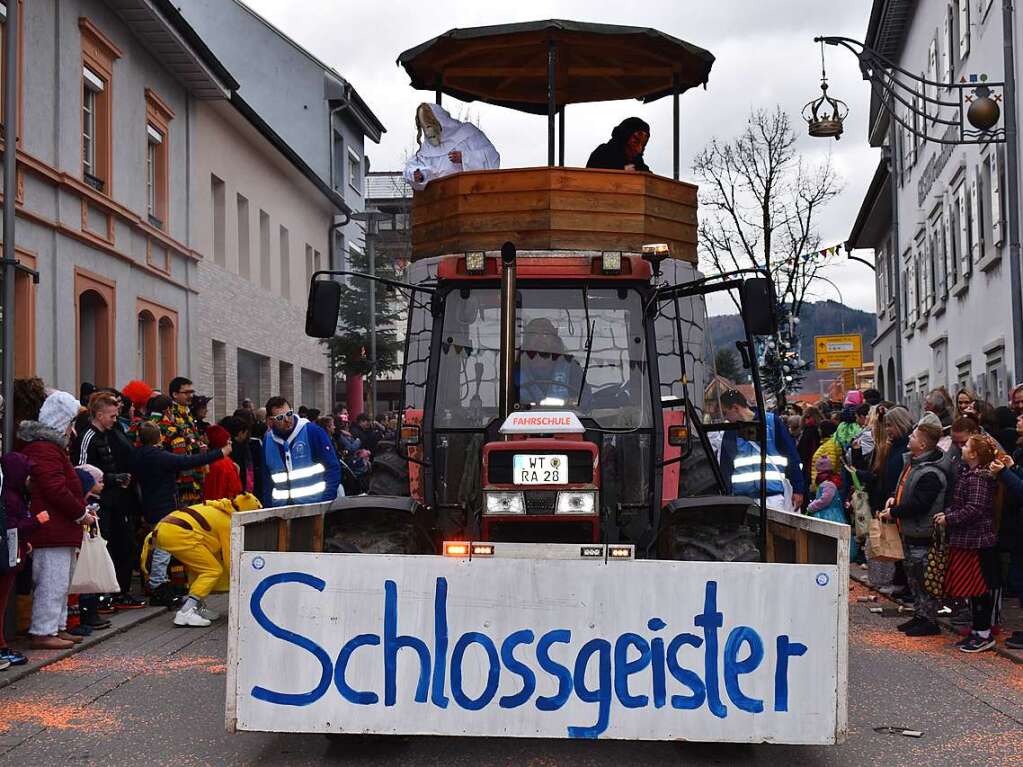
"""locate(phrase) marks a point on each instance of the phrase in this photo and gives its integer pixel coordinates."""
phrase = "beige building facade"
(261, 222)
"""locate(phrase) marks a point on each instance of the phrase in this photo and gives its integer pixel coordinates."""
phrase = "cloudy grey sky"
(765, 56)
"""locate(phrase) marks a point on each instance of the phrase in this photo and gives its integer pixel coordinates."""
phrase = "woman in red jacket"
(57, 490)
(223, 480)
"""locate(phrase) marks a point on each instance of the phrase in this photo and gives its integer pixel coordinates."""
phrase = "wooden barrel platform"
(554, 209)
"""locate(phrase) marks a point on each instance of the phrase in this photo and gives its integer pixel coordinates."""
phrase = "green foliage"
(727, 365)
(349, 349)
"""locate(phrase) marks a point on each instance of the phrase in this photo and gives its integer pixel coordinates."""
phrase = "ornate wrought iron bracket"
(966, 112)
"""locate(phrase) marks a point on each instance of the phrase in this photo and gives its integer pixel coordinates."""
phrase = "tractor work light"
(576, 502)
(611, 262)
(658, 249)
(620, 552)
(504, 502)
(482, 550)
(476, 262)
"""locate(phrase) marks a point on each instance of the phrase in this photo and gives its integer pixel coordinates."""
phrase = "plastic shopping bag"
(94, 571)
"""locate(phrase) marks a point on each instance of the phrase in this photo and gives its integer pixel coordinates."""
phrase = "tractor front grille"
(541, 501)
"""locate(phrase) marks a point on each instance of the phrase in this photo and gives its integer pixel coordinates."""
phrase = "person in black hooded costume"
(625, 149)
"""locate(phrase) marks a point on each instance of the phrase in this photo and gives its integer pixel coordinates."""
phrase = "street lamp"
(974, 110)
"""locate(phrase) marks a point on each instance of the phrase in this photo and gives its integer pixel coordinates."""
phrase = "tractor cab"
(555, 321)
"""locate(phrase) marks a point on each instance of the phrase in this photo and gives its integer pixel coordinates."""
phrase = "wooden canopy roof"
(507, 64)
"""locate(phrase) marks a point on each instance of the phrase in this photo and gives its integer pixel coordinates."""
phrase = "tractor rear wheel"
(373, 532)
(707, 543)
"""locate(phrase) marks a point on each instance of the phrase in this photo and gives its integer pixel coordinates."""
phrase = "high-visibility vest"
(746, 466)
(294, 476)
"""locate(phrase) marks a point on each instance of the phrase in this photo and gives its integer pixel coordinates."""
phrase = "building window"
(285, 265)
(308, 263)
(154, 140)
(92, 86)
(94, 304)
(264, 250)
(219, 198)
(244, 263)
(157, 343)
(354, 171)
(98, 56)
(24, 318)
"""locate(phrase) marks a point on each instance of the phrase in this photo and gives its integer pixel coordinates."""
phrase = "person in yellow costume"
(200, 538)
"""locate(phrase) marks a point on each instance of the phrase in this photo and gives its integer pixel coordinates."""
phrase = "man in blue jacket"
(301, 465)
(740, 457)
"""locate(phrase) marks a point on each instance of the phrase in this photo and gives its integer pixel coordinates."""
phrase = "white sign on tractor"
(743, 652)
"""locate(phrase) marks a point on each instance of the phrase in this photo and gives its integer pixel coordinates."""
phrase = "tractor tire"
(705, 543)
(383, 533)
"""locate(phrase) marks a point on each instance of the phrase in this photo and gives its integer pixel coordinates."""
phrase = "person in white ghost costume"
(450, 146)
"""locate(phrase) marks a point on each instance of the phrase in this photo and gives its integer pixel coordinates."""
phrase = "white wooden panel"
(946, 49)
(995, 165)
(964, 230)
(976, 218)
(310, 626)
(964, 28)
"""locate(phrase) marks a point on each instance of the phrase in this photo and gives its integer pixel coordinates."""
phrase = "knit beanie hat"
(87, 480)
(92, 471)
(824, 464)
(217, 436)
(930, 419)
(59, 409)
(246, 502)
(854, 398)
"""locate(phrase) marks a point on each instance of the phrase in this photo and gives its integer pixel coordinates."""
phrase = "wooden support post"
(318, 523)
(283, 534)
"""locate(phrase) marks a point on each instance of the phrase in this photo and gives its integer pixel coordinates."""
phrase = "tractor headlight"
(576, 502)
(503, 502)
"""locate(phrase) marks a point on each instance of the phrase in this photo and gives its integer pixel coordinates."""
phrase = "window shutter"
(964, 230)
(913, 307)
(964, 28)
(951, 269)
(912, 134)
(932, 74)
(946, 48)
(995, 163)
(976, 218)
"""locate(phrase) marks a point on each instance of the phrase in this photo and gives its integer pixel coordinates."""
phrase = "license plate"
(540, 469)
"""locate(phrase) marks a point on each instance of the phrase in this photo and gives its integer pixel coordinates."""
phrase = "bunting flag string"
(820, 255)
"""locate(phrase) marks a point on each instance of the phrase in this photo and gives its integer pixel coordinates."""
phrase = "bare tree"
(760, 204)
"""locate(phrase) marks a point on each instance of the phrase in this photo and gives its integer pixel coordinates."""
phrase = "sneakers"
(188, 617)
(911, 623)
(977, 643)
(81, 631)
(1015, 642)
(105, 604)
(924, 628)
(13, 657)
(4, 664)
(164, 596)
(127, 602)
(206, 612)
(51, 643)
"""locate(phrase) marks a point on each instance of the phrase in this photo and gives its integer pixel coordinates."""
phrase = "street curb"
(944, 623)
(132, 619)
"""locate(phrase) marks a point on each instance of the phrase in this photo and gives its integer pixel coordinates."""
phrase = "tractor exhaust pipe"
(507, 396)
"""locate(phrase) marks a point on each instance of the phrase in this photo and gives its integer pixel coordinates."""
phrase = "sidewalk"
(1011, 620)
(120, 622)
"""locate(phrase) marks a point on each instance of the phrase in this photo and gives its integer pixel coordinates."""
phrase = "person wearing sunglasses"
(546, 375)
(301, 463)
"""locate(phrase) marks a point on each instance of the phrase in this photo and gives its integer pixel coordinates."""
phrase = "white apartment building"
(935, 213)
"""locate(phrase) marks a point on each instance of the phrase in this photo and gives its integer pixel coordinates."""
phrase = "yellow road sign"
(838, 352)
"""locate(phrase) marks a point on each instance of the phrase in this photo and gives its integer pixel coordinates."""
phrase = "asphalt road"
(155, 696)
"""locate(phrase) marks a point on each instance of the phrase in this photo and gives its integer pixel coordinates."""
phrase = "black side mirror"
(323, 307)
(759, 306)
